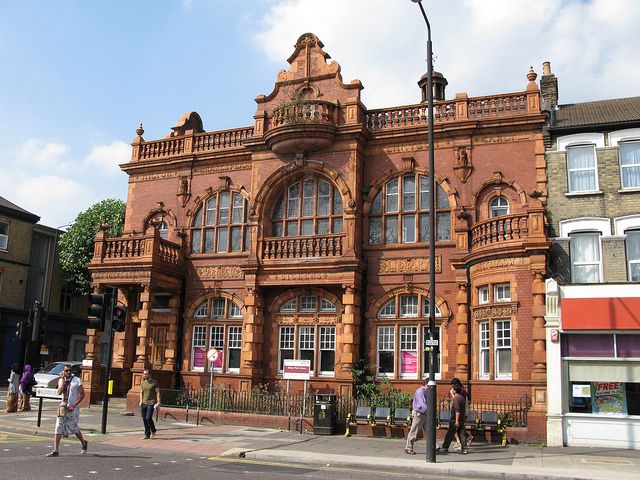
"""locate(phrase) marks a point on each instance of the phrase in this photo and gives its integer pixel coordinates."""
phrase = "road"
(23, 457)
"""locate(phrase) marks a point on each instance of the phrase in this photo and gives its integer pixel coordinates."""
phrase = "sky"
(78, 77)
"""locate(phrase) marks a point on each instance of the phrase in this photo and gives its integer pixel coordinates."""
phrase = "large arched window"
(309, 207)
(217, 324)
(220, 224)
(401, 332)
(498, 206)
(400, 212)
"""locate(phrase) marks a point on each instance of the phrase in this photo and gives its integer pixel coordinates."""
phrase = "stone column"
(462, 333)
(252, 363)
(539, 371)
(143, 331)
(349, 341)
(92, 374)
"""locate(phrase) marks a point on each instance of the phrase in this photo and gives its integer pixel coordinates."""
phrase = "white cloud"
(46, 179)
(108, 157)
(481, 46)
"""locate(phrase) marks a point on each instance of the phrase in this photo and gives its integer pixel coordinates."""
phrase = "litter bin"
(324, 414)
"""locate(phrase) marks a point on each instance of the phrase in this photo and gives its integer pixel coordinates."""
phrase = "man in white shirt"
(72, 391)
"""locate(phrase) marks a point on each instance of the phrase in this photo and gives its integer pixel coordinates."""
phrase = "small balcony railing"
(302, 247)
(305, 111)
(114, 257)
(499, 230)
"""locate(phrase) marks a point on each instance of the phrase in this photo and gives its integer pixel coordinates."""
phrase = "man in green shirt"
(149, 403)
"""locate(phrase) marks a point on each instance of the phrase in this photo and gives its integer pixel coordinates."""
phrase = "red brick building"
(305, 236)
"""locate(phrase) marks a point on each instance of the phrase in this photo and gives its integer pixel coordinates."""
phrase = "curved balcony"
(319, 246)
(505, 230)
(302, 126)
(123, 260)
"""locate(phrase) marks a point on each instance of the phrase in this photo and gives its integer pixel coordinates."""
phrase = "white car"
(48, 376)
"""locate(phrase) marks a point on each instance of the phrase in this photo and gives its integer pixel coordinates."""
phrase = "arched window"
(309, 207)
(314, 340)
(400, 212)
(163, 228)
(220, 224)
(498, 206)
(401, 332)
(218, 324)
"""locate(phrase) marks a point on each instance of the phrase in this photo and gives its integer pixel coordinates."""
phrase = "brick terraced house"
(593, 295)
(304, 236)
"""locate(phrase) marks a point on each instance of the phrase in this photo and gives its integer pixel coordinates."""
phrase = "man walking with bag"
(72, 391)
(419, 416)
(149, 403)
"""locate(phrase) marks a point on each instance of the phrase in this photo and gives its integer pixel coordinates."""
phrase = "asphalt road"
(23, 457)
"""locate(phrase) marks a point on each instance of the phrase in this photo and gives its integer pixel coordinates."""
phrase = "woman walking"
(14, 385)
(27, 381)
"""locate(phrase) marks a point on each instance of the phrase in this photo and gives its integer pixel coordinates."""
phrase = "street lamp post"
(431, 388)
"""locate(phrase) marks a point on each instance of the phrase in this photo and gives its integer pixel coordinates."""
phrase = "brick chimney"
(548, 88)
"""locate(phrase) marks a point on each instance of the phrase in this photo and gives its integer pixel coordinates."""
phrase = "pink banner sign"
(409, 362)
(198, 357)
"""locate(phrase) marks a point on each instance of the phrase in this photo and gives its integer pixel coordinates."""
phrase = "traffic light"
(22, 330)
(99, 305)
(36, 325)
(118, 317)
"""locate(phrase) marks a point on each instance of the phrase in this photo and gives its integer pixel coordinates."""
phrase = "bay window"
(632, 246)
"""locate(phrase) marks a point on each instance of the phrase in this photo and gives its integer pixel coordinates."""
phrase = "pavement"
(257, 444)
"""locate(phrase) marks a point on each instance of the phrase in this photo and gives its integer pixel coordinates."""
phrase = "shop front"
(594, 385)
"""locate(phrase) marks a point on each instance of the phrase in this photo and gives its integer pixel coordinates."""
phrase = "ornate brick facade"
(306, 235)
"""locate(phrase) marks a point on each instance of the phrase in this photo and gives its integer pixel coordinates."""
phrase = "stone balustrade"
(302, 247)
(500, 230)
(303, 111)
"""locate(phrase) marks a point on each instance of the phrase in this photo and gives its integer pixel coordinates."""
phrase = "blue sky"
(78, 77)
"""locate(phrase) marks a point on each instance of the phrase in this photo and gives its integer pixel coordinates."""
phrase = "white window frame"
(386, 343)
(307, 343)
(502, 343)
(633, 165)
(202, 311)
(234, 342)
(289, 306)
(215, 307)
(635, 261)
(594, 169)
(217, 341)
(502, 292)
(388, 310)
(308, 303)
(597, 261)
(4, 237)
(327, 342)
(234, 310)
(484, 348)
(496, 206)
(483, 295)
(286, 338)
(327, 306)
(408, 307)
(198, 339)
(408, 343)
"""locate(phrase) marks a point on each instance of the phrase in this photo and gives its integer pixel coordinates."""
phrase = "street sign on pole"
(212, 355)
(296, 370)
(430, 343)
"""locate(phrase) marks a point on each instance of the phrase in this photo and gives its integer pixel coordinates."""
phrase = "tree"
(76, 244)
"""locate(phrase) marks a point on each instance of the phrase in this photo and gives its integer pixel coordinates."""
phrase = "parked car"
(48, 376)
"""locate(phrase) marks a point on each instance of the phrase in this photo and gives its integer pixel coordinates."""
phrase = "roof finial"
(531, 76)
(139, 130)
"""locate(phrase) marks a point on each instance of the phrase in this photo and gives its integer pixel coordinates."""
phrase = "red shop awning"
(617, 313)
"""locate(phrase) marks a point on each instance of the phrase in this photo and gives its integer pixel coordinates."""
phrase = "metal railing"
(260, 402)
